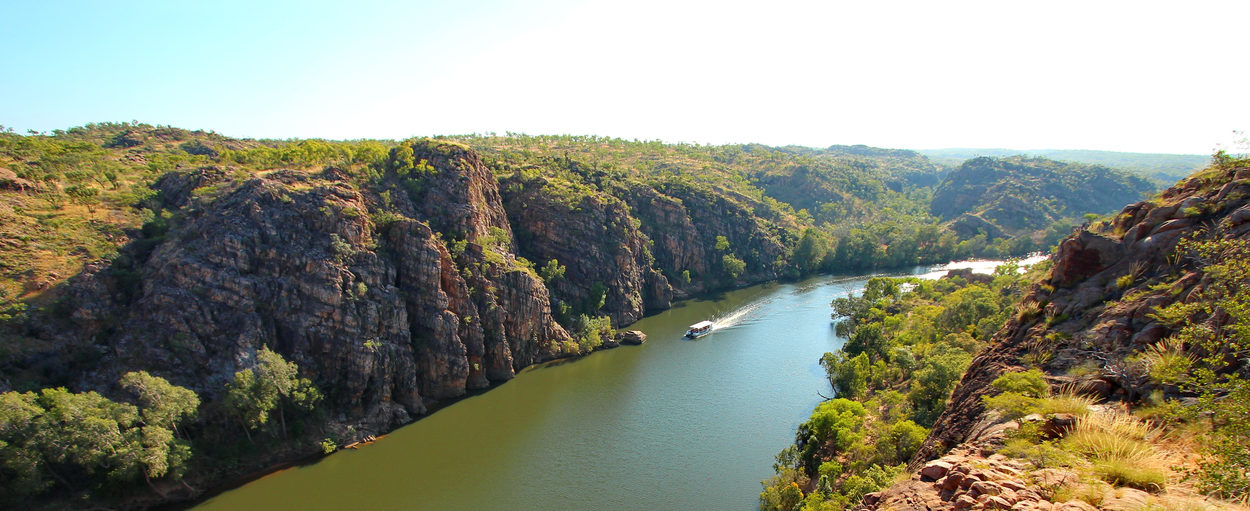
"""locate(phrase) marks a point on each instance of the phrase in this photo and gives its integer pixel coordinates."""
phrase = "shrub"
(732, 265)
(1041, 455)
(1165, 361)
(900, 442)
(1013, 405)
(1030, 383)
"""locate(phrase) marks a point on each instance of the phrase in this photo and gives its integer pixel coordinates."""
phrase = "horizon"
(1025, 152)
(1118, 76)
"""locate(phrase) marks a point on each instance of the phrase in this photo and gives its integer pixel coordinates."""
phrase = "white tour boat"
(699, 329)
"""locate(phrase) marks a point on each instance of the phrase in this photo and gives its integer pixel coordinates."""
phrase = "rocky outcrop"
(634, 337)
(593, 235)
(385, 318)
(1098, 301)
(971, 476)
(684, 222)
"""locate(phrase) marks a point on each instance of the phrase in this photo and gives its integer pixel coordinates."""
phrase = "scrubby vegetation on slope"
(1117, 380)
(909, 340)
(384, 277)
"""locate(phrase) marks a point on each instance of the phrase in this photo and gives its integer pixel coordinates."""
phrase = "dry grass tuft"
(1069, 399)
(1119, 448)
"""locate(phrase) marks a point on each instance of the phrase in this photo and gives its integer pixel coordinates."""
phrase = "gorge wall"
(398, 293)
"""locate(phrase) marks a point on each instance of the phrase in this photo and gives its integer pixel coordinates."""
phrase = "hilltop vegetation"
(81, 189)
(1017, 196)
(1163, 168)
(310, 293)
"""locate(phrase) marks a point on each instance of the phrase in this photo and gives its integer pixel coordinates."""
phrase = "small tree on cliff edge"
(272, 383)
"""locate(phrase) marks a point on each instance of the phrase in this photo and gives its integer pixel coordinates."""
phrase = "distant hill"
(1166, 168)
(1015, 195)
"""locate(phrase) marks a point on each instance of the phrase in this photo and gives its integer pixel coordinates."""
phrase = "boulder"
(634, 337)
(934, 470)
(951, 481)
(997, 503)
(1058, 425)
(1075, 505)
(984, 488)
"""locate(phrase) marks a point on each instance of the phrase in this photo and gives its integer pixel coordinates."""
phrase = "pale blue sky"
(1132, 76)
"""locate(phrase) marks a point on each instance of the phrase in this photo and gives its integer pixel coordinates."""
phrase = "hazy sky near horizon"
(1128, 76)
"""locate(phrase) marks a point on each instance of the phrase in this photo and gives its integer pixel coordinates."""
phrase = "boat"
(699, 329)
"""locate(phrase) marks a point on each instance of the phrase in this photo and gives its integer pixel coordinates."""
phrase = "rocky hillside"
(394, 286)
(310, 294)
(1016, 195)
(1098, 324)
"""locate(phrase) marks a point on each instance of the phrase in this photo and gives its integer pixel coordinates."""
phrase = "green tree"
(870, 340)
(1215, 324)
(848, 375)
(933, 383)
(551, 271)
(272, 383)
(732, 265)
(23, 470)
(248, 401)
(86, 439)
(812, 250)
(163, 404)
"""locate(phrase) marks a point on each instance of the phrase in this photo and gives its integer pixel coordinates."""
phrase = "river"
(671, 424)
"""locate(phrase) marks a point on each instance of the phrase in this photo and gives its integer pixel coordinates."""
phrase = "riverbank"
(670, 423)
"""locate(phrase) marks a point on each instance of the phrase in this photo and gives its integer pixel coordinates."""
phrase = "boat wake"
(736, 316)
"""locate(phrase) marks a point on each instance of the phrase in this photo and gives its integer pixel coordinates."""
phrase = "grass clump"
(1120, 451)
(1067, 400)
(1041, 455)
(1121, 472)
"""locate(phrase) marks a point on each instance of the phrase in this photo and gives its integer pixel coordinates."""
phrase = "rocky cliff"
(1095, 308)
(394, 288)
(366, 297)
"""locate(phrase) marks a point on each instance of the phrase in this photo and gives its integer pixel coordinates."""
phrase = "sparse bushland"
(909, 342)
(84, 197)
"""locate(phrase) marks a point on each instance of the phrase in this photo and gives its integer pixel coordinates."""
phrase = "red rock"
(951, 481)
(872, 498)
(934, 470)
(1058, 424)
(996, 502)
(1075, 505)
(1012, 485)
(965, 502)
(984, 488)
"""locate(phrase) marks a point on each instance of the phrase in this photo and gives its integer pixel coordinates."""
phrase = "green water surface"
(672, 424)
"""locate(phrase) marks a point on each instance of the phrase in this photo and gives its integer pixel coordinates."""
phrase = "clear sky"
(1130, 76)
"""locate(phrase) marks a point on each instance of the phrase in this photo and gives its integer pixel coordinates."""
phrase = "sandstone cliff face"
(601, 247)
(400, 290)
(384, 318)
(685, 222)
